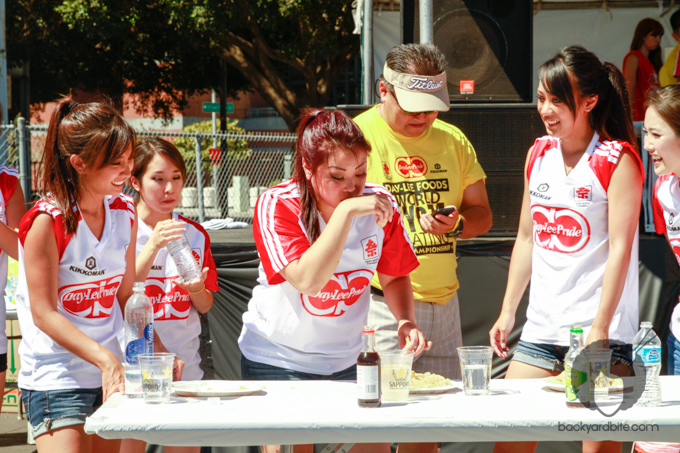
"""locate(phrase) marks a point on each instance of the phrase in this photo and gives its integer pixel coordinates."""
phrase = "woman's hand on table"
(177, 364)
(598, 337)
(498, 335)
(113, 376)
(411, 338)
(177, 369)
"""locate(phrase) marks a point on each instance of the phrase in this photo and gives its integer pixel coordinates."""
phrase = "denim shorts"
(673, 354)
(257, 371)
(3, 362)
(551, 357)
(48, 410)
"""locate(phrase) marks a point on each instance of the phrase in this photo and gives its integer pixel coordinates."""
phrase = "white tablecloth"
(295, 412)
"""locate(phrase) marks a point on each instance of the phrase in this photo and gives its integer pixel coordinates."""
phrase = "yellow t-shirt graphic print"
(423, 174)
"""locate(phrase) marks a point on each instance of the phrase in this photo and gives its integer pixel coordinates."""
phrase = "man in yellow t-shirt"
(670, 71)
(427, 164)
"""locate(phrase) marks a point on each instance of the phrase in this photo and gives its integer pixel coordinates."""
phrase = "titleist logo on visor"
(422, 83)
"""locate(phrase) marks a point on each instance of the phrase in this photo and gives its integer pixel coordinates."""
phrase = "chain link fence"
(225, 172)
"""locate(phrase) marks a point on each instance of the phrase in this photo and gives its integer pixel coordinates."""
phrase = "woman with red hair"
(321, 235)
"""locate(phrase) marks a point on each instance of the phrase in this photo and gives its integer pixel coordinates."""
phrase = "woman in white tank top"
(577, 237)
(79, 241)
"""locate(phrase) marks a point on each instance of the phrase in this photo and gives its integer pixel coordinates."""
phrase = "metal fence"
(225, 172)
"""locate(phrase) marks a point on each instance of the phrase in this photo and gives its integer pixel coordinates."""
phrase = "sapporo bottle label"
(576, 381)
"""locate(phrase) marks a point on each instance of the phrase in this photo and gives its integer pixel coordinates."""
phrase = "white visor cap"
(419, 93)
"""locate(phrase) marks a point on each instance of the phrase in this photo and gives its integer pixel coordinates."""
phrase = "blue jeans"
(53, 409)
(257, 371)
(551, 357)
(673, 354)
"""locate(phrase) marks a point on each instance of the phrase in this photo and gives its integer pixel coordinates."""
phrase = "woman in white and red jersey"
(320, 236)
(662, 142)
(76, 264)
(577, 236)
(12, 208)
(158, 177)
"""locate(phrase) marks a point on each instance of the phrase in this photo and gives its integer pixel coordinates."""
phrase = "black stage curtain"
(482, 271)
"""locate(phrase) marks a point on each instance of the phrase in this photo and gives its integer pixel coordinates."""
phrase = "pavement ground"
(13, 435)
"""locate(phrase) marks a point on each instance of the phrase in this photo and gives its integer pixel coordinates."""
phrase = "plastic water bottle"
(138, 337)
(647, 364)
(186, 264)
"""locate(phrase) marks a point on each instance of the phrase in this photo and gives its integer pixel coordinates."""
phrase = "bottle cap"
(368, 329)
(139, 286)
(576, 328)
(646, 324)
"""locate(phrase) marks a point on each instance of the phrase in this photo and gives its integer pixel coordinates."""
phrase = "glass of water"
(156, 371)
(599, 361)
(475, 361)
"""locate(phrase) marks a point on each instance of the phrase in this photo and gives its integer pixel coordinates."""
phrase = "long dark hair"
(575, 67)
(320, 133)
(145, 152)
(666, 102)
(643, 29)
(96, 133)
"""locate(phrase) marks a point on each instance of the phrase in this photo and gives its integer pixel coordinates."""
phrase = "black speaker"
(487, 43)
(501, 135)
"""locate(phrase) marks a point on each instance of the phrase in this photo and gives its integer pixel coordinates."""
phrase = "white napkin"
(221, 224)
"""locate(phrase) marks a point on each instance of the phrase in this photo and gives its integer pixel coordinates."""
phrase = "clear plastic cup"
(475, 363)
(156, 371)
(395, 374)
(599, 361)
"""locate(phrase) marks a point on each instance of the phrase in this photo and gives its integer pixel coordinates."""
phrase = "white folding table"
(303, 412)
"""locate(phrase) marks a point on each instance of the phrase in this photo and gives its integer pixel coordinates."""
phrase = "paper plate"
(216, 388)
(433, 390)
(560, 387)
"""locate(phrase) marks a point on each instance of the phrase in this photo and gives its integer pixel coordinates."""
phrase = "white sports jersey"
(666, 209)
(571, 243)
(8, 183)
(316, 334)
(176, 320)
(89, 274)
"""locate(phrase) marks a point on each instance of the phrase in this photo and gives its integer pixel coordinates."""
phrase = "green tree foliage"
(290, 51)
(237, 149)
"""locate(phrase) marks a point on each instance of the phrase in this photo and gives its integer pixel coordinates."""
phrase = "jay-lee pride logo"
(340, 293)
(410, 166)
(92, 299)
(559, 229)
(173, 304)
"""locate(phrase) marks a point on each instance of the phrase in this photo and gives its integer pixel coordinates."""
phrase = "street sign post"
(214, 107)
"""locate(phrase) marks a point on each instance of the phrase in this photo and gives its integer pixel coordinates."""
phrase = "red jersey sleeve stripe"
(42, 207)
(657, 210)
(539, 149)
(8, 182)
(605, 158)
(274, 250)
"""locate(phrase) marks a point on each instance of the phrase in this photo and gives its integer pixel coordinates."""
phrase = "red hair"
(320, 133)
